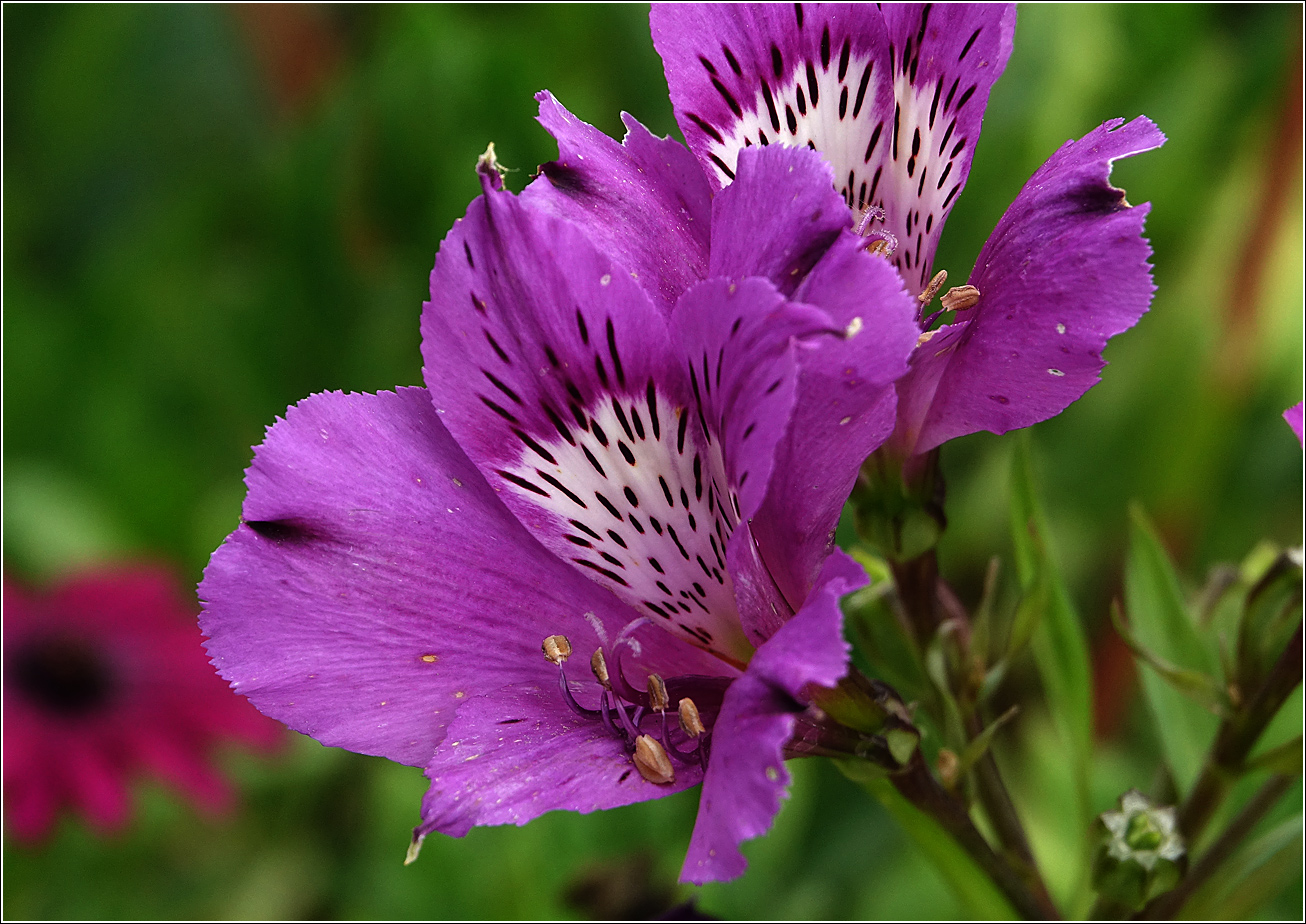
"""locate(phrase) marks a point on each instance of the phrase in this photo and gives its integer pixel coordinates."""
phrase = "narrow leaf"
(1057, 634)
(1161, 626)
(1200, 688)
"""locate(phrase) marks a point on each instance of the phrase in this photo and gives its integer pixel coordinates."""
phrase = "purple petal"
(742, 342)
(376, 581)
(844, 411)
(557, 375)
(893, 100)
(739, 343)
(1293, 416)
(944, 59)
(1064, 271)
(746, 778)
(777, 219)
(514, 755)
(644, 202)
(746, 75)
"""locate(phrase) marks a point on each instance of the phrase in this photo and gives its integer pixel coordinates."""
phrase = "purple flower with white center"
(894, 99)
(646, 477)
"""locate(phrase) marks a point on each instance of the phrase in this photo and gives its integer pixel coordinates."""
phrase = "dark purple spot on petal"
(861, 89)
(969, 43)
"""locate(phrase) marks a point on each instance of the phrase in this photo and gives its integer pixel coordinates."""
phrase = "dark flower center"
(65, 676)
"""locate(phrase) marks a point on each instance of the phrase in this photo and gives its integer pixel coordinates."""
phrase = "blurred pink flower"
(105, 679)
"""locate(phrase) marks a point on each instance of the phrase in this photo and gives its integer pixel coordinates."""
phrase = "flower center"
(63, 675)
(667, 723)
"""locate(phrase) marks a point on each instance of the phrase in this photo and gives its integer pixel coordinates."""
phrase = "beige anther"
(652, 762)
(933, 288)
(961, 298)
(657, 693)
(879, 246)
(690, 723)
(600, 668)
(556, 648)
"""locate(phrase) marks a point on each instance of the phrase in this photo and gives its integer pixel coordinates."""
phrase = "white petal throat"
(637, 501)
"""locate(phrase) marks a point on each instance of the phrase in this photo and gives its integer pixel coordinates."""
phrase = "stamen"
(657, 693)
(652, 762)
(657, 698)
(600, 668)
(961, 298)
(933, 288)
(690, 722)
(557, 649)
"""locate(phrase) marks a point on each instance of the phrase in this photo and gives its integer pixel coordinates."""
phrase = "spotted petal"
(893, 100)
(746, 778)
(844, 411)
(644, 202)
(376, 581)
(567, 389)
(1064, 271)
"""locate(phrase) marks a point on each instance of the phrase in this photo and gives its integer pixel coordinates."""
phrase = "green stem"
(1235, 739)
(1001, 811)
(918, 786)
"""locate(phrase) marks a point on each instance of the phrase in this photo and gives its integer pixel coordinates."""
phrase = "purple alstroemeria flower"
(894, 98)
(610, 457)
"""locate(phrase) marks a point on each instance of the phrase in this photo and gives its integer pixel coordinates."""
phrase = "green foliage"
(1047, 616)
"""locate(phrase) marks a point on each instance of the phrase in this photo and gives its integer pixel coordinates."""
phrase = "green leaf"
(970, 883)
(979, 746)
(1160, 623)
(1055, 631)
(1199, 687)
(1255, 875)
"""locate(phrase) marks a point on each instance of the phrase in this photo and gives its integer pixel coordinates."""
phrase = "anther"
(690, 722)
(657, 693)
(883, 246)
(652, 762)
(600, 668)
(933, 288)
(961, 298)
(557, 649)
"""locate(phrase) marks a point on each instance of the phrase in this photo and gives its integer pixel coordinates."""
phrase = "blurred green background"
(211, 212)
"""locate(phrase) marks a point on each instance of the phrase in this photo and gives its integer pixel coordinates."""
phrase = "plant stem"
(1171, 903)
(918, 786)
(1001, 811)
(1235, 739)
(917, 584)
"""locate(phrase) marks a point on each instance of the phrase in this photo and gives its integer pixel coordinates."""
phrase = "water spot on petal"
(1056, 372)
(605, 279)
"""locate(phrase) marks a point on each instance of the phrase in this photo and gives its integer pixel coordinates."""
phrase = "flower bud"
(1139, 851)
